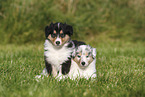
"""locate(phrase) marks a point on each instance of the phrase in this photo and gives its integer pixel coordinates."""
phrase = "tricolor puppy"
(83, 63)
(58, 48)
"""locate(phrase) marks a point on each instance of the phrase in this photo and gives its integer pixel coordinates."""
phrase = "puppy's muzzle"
(83, 63)
(57, 43)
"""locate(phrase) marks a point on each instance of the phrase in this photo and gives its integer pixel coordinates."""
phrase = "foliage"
(23, 21)
(120, 72)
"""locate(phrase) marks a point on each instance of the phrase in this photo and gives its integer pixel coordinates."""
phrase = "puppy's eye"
(87, 56)
(62, 35)
(53, 35)
(78, 56)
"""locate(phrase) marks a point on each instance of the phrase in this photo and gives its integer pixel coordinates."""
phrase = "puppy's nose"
(83, 63)
(57, 42)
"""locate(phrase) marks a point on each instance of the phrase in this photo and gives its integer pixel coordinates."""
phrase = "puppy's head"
(84, 55)
(58, 33)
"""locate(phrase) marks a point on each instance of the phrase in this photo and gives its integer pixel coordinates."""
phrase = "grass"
(118, 25)
(120, 72)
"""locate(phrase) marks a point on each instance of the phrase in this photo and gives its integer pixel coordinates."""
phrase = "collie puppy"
(58, 48)
(83, 63)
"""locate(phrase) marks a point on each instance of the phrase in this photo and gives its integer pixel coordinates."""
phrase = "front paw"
(59, 78)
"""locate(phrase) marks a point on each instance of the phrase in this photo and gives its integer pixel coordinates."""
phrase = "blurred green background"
(95, 21)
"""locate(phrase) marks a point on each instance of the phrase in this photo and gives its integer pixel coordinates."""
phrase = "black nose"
(83, 63)
(57, 42)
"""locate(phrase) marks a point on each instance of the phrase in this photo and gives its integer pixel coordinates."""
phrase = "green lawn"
(120, 72)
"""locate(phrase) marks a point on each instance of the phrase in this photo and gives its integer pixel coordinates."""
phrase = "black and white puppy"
(58, 48)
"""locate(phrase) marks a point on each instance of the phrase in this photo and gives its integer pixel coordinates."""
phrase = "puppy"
(83, 63)
(58, 48)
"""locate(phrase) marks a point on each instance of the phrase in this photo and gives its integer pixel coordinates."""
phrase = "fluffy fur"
(58, 48)
(83, 63)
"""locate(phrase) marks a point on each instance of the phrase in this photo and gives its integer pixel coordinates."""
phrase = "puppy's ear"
(89, 48)
(69, 30)
(48, 30)
(94, 52)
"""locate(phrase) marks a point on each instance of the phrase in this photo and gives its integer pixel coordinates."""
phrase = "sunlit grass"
(120, 72)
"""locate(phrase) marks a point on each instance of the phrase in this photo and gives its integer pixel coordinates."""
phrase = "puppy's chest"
(76, 70)
(57, 57)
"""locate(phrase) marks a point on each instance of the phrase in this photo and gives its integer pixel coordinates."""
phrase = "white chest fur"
(88, 72)
(56, 56)
(77, 72)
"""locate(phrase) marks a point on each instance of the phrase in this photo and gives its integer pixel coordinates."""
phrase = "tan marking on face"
(52, 39)
(54, 31)
(61, 32)
(65, 39)
(86, 54)
(76, 60)
(91, 59)
(80, 54)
